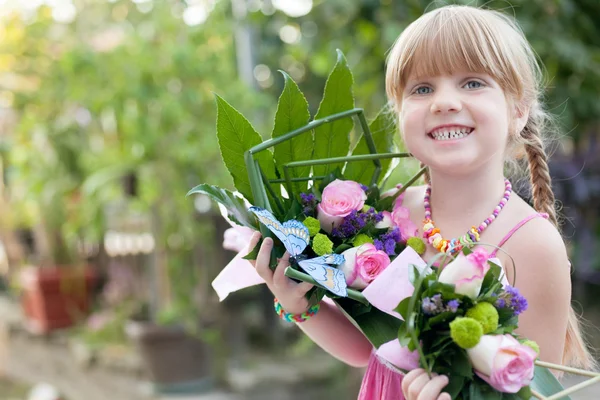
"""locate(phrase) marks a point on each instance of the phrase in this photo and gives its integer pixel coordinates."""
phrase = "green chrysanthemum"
(466, 332)
(322, 245)
(486, 314)
(361, 239)
(417, 244)
(533, 345)
(313, 225)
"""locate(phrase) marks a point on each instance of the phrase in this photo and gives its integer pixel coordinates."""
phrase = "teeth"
(451, 133)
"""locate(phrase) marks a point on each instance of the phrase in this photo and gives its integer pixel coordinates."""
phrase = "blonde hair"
(461, 38)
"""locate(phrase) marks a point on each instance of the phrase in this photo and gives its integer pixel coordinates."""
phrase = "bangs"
(457, 39)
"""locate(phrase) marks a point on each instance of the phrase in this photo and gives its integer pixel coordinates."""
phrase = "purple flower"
(434, 305)
(363, 187)
(390, 247)
(378, 244)
(309, 203)
(517, 302)
(428, 307)
(453, 305)
(501, 303)
(307, 197)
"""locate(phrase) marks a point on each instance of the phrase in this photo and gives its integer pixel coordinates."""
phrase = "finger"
(410, 377)
(433, 388)
(279, 278)
(263, 259)
(445, 396)
(302, 288)
(417, 386)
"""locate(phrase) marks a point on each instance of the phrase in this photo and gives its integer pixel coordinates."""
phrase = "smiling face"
(462, 80)
(457, 122)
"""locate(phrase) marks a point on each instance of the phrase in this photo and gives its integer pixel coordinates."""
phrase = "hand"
(417, 385)
(291, 295)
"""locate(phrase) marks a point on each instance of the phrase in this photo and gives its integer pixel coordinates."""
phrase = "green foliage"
(292, 113)
(382, 130)
(331, 140)
(238, 212)
(236, 136)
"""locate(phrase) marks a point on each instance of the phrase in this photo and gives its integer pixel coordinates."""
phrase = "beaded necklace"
(453, 246)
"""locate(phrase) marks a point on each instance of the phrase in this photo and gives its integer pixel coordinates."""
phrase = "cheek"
(411, 121)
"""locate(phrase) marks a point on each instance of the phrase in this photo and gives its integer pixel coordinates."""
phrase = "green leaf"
(441, 318)
(341, 248)
(378, 326)
(413, 274)
(524, 393)
(402, 308)
(294, 210)
(461, 365)
(493, 275)
(236, 209)
(545, 383)
(403, 335)
(292, 113)
(455, 385)
(331, 139)
(383, 129)
(254, 252)
(236, 135)
(481, 390)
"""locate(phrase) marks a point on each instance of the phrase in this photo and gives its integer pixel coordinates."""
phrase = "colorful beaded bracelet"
(295, 317)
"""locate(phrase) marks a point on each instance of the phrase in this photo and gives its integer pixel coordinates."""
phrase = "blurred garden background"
(107, 119)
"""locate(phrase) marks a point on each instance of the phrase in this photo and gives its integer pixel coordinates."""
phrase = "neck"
(474, 196)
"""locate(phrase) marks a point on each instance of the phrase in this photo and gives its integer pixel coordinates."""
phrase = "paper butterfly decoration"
(295, 237)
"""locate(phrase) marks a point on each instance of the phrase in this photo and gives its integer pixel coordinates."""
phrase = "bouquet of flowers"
(314, 187)
(461, 320)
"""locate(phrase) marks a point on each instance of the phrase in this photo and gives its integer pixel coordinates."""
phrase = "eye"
(473, 85)
(422, 90)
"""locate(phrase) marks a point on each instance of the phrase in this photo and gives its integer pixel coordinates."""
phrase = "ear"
(521, 115)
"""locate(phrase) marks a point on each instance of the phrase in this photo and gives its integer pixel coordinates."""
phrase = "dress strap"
(516, 228)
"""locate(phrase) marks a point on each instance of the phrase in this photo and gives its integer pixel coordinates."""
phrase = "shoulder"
(540, 256)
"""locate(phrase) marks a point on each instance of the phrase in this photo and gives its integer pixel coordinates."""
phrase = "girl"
(466, 87)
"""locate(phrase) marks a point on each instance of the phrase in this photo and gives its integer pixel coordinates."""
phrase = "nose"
(445, 101)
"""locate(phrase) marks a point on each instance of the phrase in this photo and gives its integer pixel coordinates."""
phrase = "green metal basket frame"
(260, 183)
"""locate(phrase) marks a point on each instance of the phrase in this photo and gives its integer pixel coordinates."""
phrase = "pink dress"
(381, 382)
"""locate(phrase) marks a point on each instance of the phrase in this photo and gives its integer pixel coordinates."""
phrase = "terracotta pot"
(175, 361)
(55, 297)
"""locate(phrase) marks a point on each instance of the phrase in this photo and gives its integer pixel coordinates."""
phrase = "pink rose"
(503, 362)
(338, 200)
(237, 238)
(363, 264)
(467, 273)
(401, 218)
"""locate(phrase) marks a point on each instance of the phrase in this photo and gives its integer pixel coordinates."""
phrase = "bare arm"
(329, 328)
(543, 277)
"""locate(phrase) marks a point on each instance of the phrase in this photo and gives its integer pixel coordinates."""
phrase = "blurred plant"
(123, 90)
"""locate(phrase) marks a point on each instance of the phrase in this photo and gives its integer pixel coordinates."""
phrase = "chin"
(455, 164)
